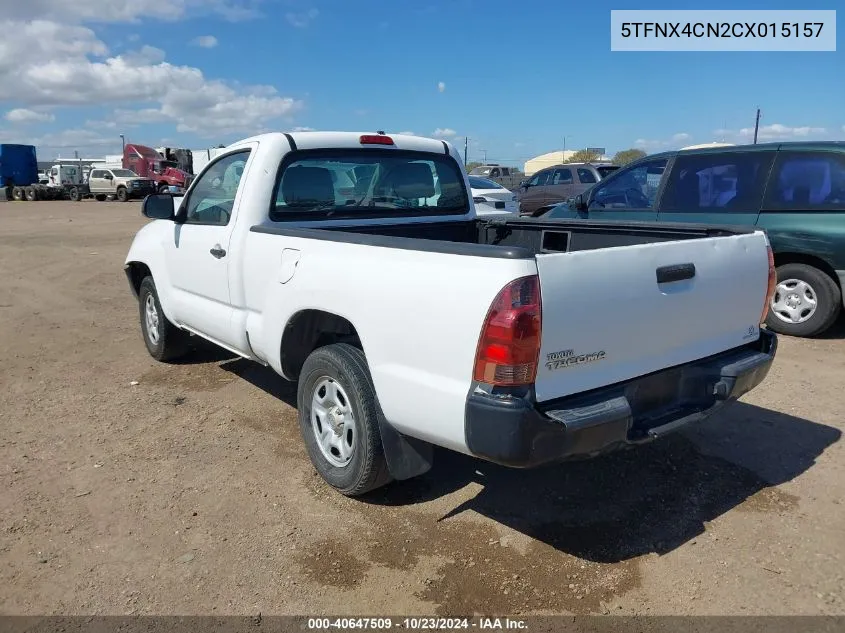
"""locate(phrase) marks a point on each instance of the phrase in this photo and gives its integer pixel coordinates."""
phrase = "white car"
(491, 198)
(407, 324)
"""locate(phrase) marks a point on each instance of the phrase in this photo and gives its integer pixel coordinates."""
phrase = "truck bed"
(619, 300)
(510, 239)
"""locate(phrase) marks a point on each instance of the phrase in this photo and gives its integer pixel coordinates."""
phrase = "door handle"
(218, 251)
(676, 272)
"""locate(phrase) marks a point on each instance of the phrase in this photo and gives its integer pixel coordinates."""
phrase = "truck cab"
(148, 163)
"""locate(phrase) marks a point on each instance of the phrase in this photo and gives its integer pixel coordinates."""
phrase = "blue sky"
(516, 78)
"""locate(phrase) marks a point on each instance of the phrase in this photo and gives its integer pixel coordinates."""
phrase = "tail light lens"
(509, 346)
(773, 282)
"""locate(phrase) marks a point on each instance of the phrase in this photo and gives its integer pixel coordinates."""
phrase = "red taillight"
(509, 345)
(773, 282)
(375, 139)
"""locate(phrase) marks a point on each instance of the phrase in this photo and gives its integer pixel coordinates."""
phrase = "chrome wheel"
(333, 422)
(151, 319)
(795, 301)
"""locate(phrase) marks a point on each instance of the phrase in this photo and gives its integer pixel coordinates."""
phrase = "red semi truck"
(148, 163)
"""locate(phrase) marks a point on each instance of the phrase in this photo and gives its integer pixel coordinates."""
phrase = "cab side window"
(213, 196)
(562, 177)
(807, 181)
(585, 176)
(634, 188)
(539, 179)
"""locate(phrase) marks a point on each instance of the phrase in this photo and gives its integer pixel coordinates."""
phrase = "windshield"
(124, 173)
(345, 183)
(483, 183)
(481, 171)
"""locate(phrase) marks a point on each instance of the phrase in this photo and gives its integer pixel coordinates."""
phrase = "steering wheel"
(635, 199)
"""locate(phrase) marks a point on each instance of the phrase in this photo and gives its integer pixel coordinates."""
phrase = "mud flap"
(406, 456)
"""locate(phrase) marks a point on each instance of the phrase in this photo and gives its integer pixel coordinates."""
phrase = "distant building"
(537, 163)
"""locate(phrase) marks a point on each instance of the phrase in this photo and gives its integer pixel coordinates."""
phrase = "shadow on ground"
(648, 500)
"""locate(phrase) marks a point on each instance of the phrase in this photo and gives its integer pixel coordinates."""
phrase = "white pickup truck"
(354, 265)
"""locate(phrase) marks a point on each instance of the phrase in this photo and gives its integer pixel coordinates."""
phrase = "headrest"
(413, 180)
(307, 185)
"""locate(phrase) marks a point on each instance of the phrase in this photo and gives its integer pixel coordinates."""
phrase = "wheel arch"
(309, 329)
(808, 260)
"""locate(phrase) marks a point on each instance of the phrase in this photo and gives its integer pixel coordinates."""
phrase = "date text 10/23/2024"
(417, 623)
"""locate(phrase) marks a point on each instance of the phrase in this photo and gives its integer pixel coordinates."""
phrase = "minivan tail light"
(773, 282)
(509, 345)
(375, 139)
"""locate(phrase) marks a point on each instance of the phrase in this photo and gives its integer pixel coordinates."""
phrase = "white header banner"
(713, 30)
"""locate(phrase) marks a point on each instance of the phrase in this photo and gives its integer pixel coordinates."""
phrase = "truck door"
(198, 257)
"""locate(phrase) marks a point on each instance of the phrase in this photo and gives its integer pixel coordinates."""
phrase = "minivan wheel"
(806, 301)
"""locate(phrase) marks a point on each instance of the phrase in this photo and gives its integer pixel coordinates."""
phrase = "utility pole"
(484, 151)
(756, 126)
(466, 144)
(122, 143)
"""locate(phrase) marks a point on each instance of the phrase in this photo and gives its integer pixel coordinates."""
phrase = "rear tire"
(353, 410)
(31, 194)
(73, 194)
(17, 193)
(165, 342)
(806, 303)
(122, 194)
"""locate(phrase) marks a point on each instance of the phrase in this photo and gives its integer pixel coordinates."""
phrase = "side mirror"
(158, 206)
(579, 203)
(524, 184)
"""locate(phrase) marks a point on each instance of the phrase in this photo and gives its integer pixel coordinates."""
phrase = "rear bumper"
(519, 433)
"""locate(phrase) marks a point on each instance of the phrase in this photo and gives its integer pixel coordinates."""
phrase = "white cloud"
(24, 115)
(776, 131)
(675, 140)
(205, 41)
(441, 87)
(303, 19)
(44, 63)
(444, 132)
(407, 133)
(303, 128)
(129, 11)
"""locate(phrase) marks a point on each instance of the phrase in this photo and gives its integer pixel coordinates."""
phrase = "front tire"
(122, 194)
(31, 194)
(806, 302)
(164, 341)
(339, 419)
(74, 194)
(163, 188)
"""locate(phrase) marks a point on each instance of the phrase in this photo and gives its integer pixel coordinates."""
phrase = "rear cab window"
(807, 181)
(367, 183)
(730, 181)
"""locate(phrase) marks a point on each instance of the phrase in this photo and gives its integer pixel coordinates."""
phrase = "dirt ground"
(190, 492)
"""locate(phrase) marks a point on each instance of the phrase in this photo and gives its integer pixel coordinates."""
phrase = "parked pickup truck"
(354, 264)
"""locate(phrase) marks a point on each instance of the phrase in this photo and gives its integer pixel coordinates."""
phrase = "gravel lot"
(190, 492)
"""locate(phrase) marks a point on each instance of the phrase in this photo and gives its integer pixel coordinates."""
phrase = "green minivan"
(795, 191)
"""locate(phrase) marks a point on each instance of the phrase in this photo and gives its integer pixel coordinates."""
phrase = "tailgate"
(607, 319)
